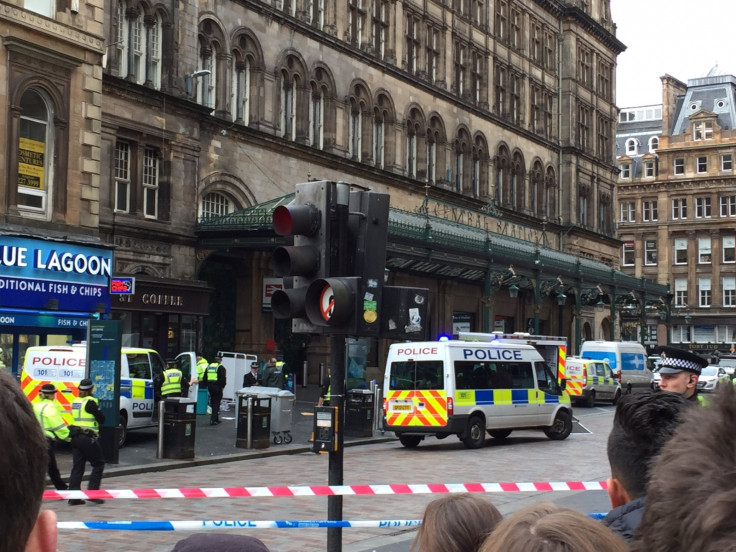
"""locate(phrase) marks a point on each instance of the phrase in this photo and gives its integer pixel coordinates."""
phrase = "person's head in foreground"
(643, 423)
(691, 497)
(215, 542)
(456, 523)
(23, 463)
(546, 527)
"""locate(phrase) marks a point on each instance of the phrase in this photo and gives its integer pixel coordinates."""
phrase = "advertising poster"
(31, 154)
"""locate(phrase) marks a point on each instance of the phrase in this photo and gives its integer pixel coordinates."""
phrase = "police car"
(470, 389)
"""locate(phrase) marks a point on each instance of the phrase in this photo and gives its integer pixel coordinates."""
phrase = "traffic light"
(312, 221)
(333, 274)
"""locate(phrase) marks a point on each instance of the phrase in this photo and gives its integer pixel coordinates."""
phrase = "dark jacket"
(250, 379)
(624, 519)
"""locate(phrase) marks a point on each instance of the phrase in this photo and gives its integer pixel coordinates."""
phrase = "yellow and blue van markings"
(481, 397)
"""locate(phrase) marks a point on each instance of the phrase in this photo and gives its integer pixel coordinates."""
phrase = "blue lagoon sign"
(38, 274)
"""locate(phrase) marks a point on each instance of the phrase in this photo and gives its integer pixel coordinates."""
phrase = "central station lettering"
(492, 354)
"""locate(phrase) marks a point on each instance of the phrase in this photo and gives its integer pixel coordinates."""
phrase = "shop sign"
(43, 321)
(269, 286)
(45, 275)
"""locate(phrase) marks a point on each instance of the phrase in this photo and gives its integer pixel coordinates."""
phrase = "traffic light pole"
(335, 469)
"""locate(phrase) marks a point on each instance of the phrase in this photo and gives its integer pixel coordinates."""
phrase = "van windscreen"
(416, 375)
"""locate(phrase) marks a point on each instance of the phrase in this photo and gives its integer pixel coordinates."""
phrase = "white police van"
(65, 366)
(468, 388)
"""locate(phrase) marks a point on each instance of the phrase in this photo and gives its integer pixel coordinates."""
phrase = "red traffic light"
(291, 220)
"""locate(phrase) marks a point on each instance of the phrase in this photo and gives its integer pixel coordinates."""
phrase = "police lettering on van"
(468, 389)
(65, 366)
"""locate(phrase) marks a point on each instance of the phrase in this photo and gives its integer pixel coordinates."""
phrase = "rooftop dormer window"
(631, 146)
(703, 130)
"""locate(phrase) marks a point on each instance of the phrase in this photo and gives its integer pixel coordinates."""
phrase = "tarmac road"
(525, 456)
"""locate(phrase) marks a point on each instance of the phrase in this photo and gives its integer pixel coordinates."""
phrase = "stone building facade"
(677, 207)
(178, 112)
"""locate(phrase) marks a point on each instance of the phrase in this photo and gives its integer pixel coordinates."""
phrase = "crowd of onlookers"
(672, 487)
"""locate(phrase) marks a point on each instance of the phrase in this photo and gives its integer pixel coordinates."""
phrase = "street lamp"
(188, 79)
(600, 305)
(513, 291)
(561, 298)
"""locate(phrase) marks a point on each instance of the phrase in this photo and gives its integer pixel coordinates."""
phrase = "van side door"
(142, 389)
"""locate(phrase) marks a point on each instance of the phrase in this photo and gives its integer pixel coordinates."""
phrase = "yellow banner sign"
(31, 155)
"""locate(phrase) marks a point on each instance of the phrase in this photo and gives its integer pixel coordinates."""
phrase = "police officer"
(85, 433)
(275, 376)
(54, 428)
(171, 386)
(216, 379)
(680, 371)
(251, 378)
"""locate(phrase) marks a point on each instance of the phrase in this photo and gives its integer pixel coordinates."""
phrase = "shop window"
(35, 152)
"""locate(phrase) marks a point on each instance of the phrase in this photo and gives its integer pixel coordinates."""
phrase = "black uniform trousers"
(53, 469)
(215, 400)
(86, 447)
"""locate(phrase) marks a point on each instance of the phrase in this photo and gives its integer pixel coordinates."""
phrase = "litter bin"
(180, 424)
(260, 421)
(359, 413)
(281, 409)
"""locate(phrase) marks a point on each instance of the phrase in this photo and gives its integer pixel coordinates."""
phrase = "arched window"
(632, 146)
(415, 141)
(503, 165)
(550, 194)
(139, 45)
(435, 149)
(463, 162)
(35, 152)
(215, 204)
(479, 176)
(207, 84)
(317, 117)
(518, 184)
(536, 189)
(361, 124)
(321, 132)
(383, 120)
(288, 106)
(294, 102)
(653, 143)
(241, 83)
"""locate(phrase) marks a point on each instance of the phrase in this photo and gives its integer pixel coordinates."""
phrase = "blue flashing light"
(444, 337)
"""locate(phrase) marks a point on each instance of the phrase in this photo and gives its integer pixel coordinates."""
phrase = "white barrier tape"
(334, 490)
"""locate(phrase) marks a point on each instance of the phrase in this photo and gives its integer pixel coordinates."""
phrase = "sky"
(681, 38)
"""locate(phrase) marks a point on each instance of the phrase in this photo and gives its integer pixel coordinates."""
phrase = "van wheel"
(616, 397)
(499, 433)
(561, 427)
(475, 433)
(590, 400)
(123, 424)
(410, 441)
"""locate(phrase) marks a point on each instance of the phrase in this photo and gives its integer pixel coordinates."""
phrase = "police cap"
(49, 388)
(86, 384)
(253, 365)
(673, 360)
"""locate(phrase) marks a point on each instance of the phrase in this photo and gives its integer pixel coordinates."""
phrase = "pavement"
(217, 444)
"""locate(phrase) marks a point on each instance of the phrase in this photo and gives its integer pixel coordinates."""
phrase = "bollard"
(305, 367)
(321, 374)
(160, 449)
(249, 434)
(378, 413)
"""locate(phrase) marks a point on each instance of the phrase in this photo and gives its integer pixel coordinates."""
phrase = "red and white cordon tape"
(331, 490)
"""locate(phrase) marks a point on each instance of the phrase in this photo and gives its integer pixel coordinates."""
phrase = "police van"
(593, 379)
(65, 366)
(467, 388)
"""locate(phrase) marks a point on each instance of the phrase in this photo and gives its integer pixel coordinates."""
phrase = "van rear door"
(416, 394)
